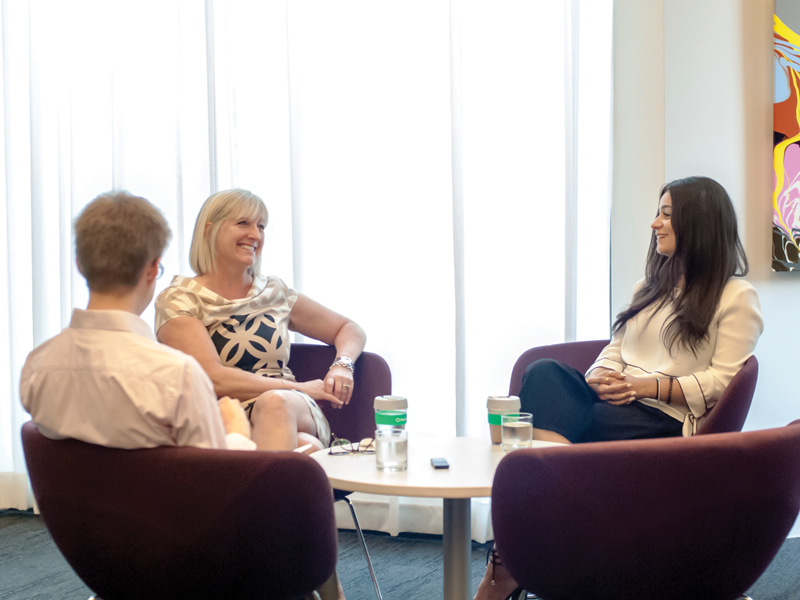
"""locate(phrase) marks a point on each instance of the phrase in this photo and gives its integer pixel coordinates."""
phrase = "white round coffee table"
(472, 465)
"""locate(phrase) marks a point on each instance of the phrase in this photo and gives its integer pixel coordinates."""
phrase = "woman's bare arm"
(312, 319)
(188, 335)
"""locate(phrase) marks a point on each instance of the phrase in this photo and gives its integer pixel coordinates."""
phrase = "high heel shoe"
(518, 594)
(493, 558)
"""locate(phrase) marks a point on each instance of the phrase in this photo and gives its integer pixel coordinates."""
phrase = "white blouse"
(638, 349)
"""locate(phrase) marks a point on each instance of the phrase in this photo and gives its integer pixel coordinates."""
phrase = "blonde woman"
(236, 323)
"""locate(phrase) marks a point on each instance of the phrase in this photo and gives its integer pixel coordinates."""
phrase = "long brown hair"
(708, 252)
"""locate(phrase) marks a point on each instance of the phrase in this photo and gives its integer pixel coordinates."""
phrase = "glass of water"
(517, 431)
(391, 449)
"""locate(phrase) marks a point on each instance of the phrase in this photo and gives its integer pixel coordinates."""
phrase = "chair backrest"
(372, 378)
(660, 519)
(730, 411)
(185, 522)
(578, 355)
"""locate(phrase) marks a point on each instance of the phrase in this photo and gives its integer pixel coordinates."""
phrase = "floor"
(408, 567)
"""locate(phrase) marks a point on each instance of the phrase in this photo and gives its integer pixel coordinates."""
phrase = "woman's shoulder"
(272, 287)
(182, 292)
(738, 285)
(738, 291)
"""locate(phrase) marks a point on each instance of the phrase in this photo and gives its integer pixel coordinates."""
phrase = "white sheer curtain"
(438, 171)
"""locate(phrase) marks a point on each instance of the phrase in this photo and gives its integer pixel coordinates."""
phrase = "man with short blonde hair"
(105, 379)
(116, 236)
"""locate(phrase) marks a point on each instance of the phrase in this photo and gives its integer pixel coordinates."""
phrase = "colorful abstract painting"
(786, 131)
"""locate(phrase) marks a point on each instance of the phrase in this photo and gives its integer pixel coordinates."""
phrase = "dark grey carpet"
(407, 567)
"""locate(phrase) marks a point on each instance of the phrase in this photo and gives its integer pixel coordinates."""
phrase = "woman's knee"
(544, 368)
(272, 405)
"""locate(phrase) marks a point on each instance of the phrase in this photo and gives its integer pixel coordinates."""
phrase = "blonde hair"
(116, 236)
(218, 208)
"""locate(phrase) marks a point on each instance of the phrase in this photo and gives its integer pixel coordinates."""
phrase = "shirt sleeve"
(289, 294)
(176, 301)
(739, 326)
(197, 421)
(611, 356)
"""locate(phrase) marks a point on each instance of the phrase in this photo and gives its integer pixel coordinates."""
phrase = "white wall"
(715, 67)
(718, 115)
(638, 167)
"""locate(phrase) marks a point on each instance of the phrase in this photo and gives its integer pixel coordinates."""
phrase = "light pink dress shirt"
(106, 380)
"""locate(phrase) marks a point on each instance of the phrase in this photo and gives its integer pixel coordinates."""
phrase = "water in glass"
(391, 451)
(517, 434)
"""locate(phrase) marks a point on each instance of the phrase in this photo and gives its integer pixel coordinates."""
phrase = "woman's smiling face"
(240, 241)
(662, 226)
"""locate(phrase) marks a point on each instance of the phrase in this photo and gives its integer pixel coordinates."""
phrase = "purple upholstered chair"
(697, 518)
(354, 422)
(185, 522)
(372, 378)
(578, 355)
(730, 411)
(728, 414)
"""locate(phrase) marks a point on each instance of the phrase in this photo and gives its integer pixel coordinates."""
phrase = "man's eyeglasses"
(343, 447)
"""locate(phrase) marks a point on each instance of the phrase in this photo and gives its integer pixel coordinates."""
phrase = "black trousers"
(560, 400)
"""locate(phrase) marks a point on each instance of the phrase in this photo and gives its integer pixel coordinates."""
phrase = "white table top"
(472, 465)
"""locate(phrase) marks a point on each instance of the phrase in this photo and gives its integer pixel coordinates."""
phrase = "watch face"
(344, 362)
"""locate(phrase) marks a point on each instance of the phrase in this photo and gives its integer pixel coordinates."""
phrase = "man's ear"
(152, 271)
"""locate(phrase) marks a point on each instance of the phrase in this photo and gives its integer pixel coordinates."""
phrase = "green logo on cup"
(390, 417)
(495, 419)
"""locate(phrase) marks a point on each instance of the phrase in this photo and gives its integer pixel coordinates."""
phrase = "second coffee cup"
(390, 411)
(497, 407)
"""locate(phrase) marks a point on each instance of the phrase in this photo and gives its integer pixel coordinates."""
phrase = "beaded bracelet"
(658, 389)
(669, 393)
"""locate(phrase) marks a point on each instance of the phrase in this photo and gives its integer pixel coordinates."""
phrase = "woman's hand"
(339, 382)
(617, 389)
(316, 389)
(642, 388)
(611, 386)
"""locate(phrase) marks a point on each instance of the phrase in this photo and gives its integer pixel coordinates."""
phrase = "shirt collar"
(111, 320)
(258, 285)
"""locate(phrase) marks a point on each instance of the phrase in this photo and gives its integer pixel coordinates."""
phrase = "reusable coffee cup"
(497, 407)
(390, 411)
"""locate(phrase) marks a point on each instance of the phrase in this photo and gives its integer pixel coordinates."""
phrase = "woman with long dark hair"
(692, 323)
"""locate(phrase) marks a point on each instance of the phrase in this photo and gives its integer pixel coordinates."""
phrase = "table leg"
(457, 549)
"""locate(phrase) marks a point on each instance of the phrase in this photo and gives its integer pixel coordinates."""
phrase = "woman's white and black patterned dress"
(250, 333)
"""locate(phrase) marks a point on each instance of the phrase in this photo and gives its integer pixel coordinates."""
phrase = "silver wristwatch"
(345, 362)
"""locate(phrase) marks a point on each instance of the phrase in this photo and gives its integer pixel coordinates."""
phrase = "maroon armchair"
(578, 355)
(660, 519)
(185, 522)
(728, 414)
(730, 411)
(356, 421)
(372, 378)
